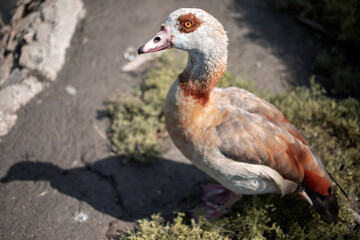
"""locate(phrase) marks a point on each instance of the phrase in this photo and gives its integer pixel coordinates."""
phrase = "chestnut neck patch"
(200, 89)
(190, 17)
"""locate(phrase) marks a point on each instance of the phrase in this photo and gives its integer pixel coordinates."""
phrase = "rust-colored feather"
(317, 183)
(252, 139)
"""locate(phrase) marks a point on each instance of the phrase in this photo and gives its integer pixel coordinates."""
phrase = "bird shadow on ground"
(282, 35)
(127, 192)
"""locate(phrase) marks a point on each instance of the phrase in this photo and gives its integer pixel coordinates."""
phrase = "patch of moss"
(157, 229)
(134, 127)
(253, 217)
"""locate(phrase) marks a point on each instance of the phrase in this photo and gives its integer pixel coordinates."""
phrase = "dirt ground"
(58, 178)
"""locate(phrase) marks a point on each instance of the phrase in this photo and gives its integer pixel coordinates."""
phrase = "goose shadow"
(127, 192)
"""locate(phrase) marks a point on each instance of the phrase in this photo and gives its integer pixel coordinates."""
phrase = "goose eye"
(187, 24)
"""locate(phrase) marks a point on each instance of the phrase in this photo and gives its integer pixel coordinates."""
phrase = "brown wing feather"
(247, 137)
(253, 104)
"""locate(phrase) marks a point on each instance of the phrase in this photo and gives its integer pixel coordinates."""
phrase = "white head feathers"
(206, 35)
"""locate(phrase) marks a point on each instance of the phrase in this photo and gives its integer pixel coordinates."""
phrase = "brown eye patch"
(188, 23)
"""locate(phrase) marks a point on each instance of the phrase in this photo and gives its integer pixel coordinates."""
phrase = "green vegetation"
(344, 77)
(157, 229)
(137, 119)
(331, 126)
(341, 18)
(254, 217)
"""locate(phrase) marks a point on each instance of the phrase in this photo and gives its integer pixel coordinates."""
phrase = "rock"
(19, 12)
(7, 121)
(32, 55)
(42, 33)
(70, 90)
(31, 21)
(7, 104)
(3, 126)
(17, 75)
(48, 12)
(6, 68)
(53, 37)
(29, 35)
(23, 2)
(11, 43)
(22, 28)
(37, 39)
(5, 34)
(16, 95)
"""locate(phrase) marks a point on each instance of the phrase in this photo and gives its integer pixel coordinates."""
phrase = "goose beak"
(161, 41)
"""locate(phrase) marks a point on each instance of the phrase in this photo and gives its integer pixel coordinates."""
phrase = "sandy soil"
(59, 179)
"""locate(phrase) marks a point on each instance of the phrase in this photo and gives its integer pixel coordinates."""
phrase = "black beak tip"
(140, 50)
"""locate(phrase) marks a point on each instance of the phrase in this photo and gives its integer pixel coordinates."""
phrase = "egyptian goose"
(242, 141)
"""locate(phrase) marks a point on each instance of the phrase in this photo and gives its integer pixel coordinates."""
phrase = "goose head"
(194, 31)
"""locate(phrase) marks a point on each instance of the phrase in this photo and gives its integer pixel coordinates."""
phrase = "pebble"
(85, 40)
(128, 56)
(81, 217)
(70, 90)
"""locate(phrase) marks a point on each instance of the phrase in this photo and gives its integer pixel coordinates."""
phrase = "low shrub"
(156, 228)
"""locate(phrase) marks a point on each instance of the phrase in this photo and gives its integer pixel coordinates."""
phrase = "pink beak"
(161, 41)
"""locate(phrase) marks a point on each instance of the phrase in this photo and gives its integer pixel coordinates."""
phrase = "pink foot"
(217, 200)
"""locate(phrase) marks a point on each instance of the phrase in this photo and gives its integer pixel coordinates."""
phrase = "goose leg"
(217, 200)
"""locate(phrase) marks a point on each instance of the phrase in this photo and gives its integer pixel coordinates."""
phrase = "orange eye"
(187, 24)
